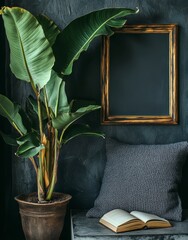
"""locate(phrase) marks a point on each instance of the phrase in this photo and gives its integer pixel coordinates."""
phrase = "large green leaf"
(51, 30)
(33, 103)
(63, 104)
(11, 111)
(32, 115)
(25, 119)
(29, 137)
(29, 145)
(65, 119)
(76, 37)
(76, 130)
(56, 95)
(27, 150)
(75, 104)
(31, 57)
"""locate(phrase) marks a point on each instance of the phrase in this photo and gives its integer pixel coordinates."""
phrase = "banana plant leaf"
(29, 145)
(76, 130)
(76, 37)
(25, 119)
(65, 119)
(51, 30)
(27, 150)
(31, 57)
(75, 104)
(56, 95)
(32, 115)
(11, 112)
(33, 103)
(29, 137)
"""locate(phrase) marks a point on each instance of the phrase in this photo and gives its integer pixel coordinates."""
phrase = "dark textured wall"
(3, 147)
(82, 160)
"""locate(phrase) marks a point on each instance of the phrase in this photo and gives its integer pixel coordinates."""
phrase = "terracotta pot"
(42, 221)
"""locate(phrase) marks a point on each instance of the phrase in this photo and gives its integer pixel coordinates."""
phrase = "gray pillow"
(143, 178)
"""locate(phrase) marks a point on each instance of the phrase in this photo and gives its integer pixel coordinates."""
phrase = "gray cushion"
(142, 177)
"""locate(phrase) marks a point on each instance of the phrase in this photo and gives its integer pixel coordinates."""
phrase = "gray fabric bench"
(83, 228)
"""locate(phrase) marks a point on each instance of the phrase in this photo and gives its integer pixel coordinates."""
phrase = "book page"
(117, 217)
(145, 217)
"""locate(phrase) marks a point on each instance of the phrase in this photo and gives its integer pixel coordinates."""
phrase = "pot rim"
(66, 198)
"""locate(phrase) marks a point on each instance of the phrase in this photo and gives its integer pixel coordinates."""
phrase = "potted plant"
(41, 54)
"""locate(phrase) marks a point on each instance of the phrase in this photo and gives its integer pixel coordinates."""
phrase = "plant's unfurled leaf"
(56, 95)
(10, 111)
(32, 137)
(79, 103)
(63, 105)
(67, 118)
(25, 119)
(52, 92)
(31, 56)
(29, 145)
(33, 117)
(51, 30)
(34, 105)
(76, 130)
(9, 139)
(27, 150)
(77, 36)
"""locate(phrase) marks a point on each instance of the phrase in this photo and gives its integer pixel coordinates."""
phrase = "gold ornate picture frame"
(159, 42)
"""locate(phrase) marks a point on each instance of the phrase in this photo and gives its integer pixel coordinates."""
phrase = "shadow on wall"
(81, 167)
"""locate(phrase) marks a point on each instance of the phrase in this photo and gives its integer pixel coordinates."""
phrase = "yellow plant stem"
(48, 158)
(34, 164)
(55, 165)
(41, 188)
(40, 176)
(51, 154)
(15, 126)
(40, 116)
(46, 104)
(49, 150)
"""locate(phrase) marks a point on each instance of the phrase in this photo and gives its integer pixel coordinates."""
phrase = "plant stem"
(50, 156)
(54, 174)
(40, 175)
(15, 126)
(46, 104)
(34, 164)
(48, 159)
(61, 137)
(39, 116)
(40, 179)
(32, 84)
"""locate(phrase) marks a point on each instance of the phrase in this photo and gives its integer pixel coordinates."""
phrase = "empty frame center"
(139, 75)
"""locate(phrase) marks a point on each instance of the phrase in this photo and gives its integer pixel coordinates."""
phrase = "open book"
(121, 221)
